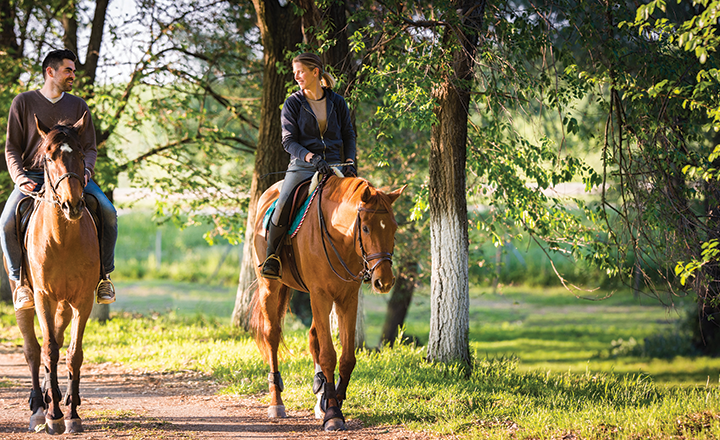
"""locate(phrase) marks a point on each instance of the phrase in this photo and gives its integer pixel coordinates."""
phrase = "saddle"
(302, 196)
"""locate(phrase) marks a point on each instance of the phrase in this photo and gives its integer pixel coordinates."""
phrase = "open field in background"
(546, 329)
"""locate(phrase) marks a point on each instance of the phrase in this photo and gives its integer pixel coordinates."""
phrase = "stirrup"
(105, 292)
(271, 276)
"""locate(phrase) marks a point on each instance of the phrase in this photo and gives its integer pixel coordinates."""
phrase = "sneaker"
(105, 292)
(23, 298)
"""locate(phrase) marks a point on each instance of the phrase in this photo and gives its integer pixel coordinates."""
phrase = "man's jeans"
(11, 245)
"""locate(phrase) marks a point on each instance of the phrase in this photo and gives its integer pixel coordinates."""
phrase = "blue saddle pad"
(299, 215)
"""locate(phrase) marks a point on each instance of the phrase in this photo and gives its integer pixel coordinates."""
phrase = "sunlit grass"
(542, 367)
(398, 386)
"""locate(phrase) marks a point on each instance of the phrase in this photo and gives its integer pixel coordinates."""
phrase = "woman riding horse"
(316, 130)
(347, 236)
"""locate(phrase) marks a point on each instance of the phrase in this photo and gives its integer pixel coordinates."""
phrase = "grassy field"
(547, 364)
(548, 329)
(543, 363)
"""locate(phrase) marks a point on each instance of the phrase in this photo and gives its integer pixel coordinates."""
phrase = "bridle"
(366, 273)
(55, 197)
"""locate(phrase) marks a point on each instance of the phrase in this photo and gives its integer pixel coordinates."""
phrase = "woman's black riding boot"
(272, 268)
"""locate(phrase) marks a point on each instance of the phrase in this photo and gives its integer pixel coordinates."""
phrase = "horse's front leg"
(50, 357)
(73, 423)
(325, 359)
(347, 319)
(270, 310)
(31, 348)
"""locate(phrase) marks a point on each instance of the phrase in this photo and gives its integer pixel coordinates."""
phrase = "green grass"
(542, 365)
(147, 251)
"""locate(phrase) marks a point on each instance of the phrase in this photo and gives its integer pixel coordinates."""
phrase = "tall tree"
(281, 33)
(449, 295)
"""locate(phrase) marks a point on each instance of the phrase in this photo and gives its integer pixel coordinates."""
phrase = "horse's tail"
(262, 315)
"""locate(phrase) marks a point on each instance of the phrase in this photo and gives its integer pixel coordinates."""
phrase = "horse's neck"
(340, 213)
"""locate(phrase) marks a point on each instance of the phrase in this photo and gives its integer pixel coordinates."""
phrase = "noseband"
(54, 186)
(366, 273)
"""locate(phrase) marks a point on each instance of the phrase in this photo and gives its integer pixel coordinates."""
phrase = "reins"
(366, 272)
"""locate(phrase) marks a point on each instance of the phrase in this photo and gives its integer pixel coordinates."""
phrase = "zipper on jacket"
(322, 138)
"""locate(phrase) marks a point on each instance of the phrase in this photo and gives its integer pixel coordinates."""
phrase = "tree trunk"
(280, 30)
(10, 45)
(707, 336)
(399, 302)
(8, 38)
(449, 290)
(101, 312)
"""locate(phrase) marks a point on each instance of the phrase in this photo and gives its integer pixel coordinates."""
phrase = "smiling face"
(306, 77)
(62, 78)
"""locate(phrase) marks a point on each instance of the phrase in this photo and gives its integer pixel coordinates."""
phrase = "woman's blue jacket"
(301, 131)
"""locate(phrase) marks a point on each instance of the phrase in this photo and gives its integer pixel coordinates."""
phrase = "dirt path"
(118, 403)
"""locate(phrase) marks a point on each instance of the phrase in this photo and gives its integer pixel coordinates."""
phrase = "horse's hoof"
(54, 426)
(276, 412)
(73, 426)
(37, 419)
(335, 425)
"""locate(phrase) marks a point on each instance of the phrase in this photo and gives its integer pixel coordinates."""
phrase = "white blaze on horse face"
(382, 224)
(65, 148)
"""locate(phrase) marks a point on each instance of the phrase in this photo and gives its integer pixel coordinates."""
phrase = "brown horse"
(62, 266)
(347, 235)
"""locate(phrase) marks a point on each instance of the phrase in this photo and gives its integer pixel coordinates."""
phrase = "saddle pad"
(297, 220)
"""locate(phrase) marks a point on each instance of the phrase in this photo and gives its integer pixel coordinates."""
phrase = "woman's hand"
(349, 169)
(320, 164)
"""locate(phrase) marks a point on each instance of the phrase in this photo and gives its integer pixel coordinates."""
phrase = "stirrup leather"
(272, 277)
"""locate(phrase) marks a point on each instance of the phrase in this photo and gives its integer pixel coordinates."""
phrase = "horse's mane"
(356, 187)
(58, 134)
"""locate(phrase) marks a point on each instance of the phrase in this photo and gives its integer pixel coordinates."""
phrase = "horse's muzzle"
(382, 279)
(73, 211)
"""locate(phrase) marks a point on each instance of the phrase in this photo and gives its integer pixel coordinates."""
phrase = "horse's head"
(62, 158)
(376, 235)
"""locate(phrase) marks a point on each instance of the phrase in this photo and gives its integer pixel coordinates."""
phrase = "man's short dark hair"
(55, 58)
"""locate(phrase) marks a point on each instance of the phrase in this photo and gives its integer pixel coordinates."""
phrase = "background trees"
(490, 105)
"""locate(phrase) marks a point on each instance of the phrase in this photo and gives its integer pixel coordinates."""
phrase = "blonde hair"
(313, 61)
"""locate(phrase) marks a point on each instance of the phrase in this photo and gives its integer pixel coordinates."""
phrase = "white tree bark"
(449, 292)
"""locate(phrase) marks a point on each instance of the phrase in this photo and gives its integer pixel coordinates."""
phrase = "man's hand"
(87, 176)
(29, 185)
(320, 164)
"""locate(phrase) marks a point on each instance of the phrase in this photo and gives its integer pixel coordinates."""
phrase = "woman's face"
(304, 76)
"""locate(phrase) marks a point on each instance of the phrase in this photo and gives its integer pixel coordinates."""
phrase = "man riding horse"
(52, 104)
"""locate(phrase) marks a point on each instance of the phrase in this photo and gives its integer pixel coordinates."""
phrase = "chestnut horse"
(62, 266)
(347, 235)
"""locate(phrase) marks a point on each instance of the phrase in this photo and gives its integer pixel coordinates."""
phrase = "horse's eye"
(365, 229)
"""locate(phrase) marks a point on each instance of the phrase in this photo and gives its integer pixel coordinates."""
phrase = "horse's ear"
(42, 129)
(79, 126)
(395, 194)
(368, 194)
